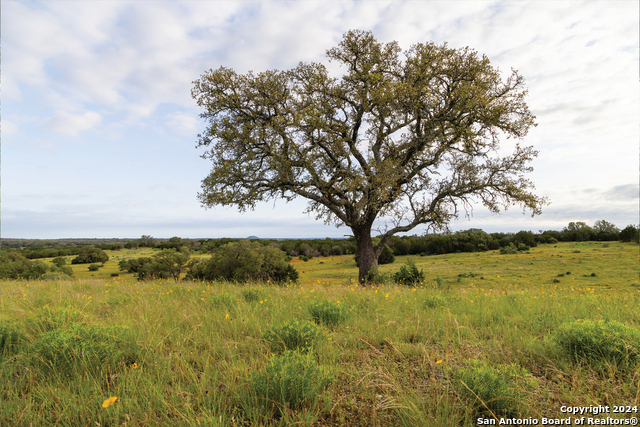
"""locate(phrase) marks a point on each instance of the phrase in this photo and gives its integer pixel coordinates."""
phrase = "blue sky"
(99, 128)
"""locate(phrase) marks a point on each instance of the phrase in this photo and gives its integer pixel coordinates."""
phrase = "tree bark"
(366, 253)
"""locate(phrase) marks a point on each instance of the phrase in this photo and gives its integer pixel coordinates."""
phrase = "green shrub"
(605, 346)
(409, 274)
(48, 318)
(94, 267)
(465, 275)
(167, 263)
(433, 301)
(90, 255)
(386, 256)
(292, 381)
(511, 249)
(83, 348)
(329, 313)
(295, 335)
(289, 274)
(64, 270)
(59, 261)
(304, 258)
(13, 265)
(496, 389)
(37, 270)
(152, 271)
(134, 265)
(523, 247)
(245, 261)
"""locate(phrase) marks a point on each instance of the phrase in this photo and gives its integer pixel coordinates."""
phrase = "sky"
(99, 129)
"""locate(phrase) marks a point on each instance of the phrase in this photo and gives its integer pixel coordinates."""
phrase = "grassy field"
(486, 336)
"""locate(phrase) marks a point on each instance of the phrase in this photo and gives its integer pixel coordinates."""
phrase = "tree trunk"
(366, 253)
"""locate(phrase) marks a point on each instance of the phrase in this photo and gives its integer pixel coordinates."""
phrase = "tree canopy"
(411, 138)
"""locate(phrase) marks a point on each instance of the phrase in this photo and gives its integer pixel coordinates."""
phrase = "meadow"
(485, 336)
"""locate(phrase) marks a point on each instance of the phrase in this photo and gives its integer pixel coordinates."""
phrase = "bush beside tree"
(167, 263)
(90, 256)
(134, 265)
(245, 261)
(59, 261)
(409, 274)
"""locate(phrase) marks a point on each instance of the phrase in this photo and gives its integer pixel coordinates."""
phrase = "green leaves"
(245, 260)
(90, 255)
(409, 275)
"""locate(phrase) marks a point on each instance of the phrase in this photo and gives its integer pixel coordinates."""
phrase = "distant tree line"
(57, 243)
(471, 240)
(474, 240)
(264, 259)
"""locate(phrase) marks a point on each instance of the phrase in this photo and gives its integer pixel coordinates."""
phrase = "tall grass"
(213, 354)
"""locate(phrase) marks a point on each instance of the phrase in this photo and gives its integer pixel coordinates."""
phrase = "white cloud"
(125, 69)
(43, 143)
(184, 124)
(73, 124)
(8, 128)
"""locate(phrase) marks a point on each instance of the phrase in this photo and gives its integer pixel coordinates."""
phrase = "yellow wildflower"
(110, 401)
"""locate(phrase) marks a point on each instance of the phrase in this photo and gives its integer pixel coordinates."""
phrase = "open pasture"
(191, 353)
(615, 265)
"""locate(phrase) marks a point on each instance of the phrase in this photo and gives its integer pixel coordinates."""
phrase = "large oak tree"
(411, 137)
